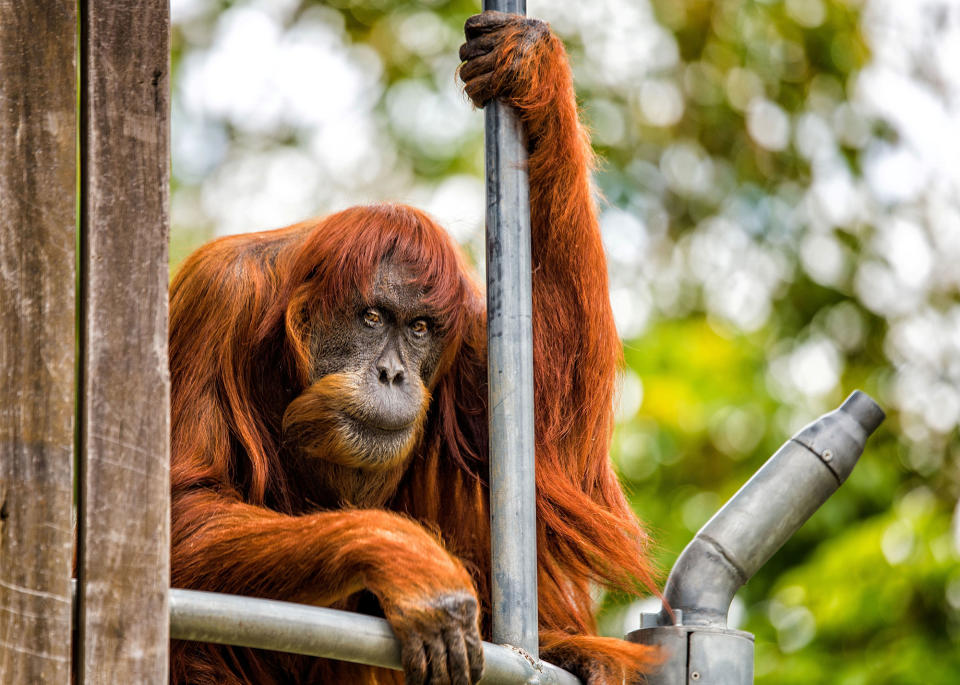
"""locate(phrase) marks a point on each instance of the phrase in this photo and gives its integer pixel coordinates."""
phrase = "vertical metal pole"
(510, 364)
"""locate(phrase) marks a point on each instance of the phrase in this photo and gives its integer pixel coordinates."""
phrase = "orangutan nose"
(390, 367)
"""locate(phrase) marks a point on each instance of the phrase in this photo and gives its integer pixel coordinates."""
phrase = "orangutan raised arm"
(586, 528)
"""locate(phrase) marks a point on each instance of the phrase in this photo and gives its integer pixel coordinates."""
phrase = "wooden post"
(37, 274)
(123, 516)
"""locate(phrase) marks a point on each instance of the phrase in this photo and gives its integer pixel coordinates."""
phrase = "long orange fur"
(241, 311)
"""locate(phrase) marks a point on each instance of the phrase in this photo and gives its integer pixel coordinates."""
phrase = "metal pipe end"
(839, 437)
(864, 410)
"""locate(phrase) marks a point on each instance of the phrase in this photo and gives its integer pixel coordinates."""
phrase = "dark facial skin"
(388, 349)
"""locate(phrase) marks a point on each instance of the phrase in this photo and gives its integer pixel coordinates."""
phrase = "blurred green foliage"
(750, 284)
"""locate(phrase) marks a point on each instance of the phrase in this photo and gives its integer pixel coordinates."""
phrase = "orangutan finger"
(475, 654)
(458, 664)
(437, 660)
(480, 89)
(480, 65)
(488, 21)
(414, 660)
(477, 47)
(472, 642)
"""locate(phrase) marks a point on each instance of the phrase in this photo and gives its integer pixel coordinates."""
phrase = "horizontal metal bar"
(328, 633)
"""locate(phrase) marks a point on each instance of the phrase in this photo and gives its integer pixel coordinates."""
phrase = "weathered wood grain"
(37, 272)
(124, 418)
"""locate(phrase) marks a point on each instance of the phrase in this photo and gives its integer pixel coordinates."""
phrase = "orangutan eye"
(372, 317)
(420, 327)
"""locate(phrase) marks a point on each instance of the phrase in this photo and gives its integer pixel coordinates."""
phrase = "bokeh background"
(782, 213)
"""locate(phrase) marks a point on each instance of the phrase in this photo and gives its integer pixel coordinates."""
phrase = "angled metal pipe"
(740, 538)
(328, 633)
(768, 510)
(510, 372)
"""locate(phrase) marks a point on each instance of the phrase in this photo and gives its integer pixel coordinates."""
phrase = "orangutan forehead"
(394, 286)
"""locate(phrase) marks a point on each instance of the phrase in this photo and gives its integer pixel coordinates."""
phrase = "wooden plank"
(124, 417)
(37, 314)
